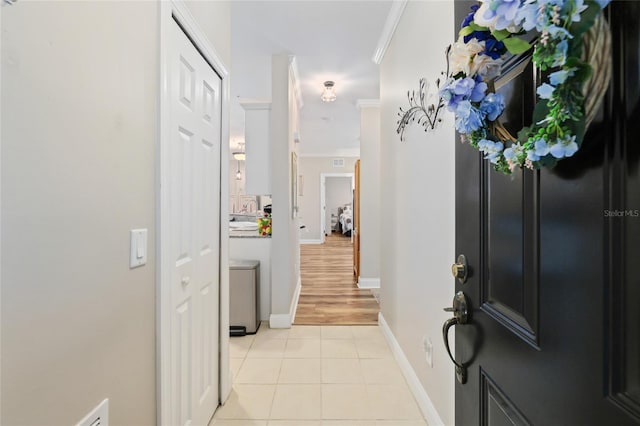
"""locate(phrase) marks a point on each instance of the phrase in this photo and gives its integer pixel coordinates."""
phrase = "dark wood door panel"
(554, 286)
(622, 217)
(510, 232)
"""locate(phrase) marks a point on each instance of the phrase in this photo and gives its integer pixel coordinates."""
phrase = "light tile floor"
(316, 376)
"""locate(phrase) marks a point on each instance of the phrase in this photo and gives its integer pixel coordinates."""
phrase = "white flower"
(464, 58)
(487, 67)
(462, 54)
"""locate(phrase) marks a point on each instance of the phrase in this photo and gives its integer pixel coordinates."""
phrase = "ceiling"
(331, 40)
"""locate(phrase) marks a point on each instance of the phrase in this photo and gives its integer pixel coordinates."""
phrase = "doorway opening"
(329, 292)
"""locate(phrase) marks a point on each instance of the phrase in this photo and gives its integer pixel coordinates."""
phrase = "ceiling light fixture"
(328, 94)
(238, 173)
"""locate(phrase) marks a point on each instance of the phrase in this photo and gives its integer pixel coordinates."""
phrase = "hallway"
(317, 376)
(329, 292)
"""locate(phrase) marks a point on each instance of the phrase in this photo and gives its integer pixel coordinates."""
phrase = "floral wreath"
(494, 29)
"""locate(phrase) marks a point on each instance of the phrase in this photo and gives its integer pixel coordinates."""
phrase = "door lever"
(460, 316)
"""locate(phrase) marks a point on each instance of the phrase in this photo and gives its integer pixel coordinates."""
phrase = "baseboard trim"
(422, 398)
(294, 303)
(368, 282)
(311, 242)
(286, 320)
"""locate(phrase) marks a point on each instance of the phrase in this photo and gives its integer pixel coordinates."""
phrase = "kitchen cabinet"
(257, 146)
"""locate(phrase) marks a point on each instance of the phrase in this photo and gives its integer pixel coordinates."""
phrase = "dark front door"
(554, 263)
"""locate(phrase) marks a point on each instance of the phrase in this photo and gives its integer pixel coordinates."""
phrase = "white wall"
(311, 168)
(285, 255)
(338, 194)
(370, 225)
(79, 100)
(417, 193)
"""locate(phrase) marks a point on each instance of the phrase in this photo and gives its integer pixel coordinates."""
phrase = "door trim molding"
(178, 10)
(422, 398)
(323, 198)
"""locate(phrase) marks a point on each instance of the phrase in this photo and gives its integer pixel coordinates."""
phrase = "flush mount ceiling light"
(239, 154)
(328, 94)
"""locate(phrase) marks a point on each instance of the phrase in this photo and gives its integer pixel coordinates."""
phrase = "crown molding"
(367, 103)
(248, 104)
(395, 13)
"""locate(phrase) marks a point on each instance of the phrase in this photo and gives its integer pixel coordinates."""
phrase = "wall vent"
(338, 162)
(99, 416)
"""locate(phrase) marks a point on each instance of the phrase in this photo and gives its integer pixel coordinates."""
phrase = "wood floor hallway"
(329, 293)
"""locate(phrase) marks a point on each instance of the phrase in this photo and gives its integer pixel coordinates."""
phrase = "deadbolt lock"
(459, 269)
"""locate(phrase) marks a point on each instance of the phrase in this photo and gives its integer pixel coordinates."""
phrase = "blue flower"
(529, 15)
(464, 86)
(532, 156)
(492, 106)
(504, 10)
(561, 76)
(469, 17)
(493, 48)
(509, 154)
(560, 55)
(478, 90)
(603, 3)
(558, 32)
(541, 148)
(564, 147)
(449, 96)
(577, 10)
(468, 118)
(491, 149)
(545, 91)
(513, 151)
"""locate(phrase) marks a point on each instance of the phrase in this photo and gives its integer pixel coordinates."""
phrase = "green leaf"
(477, 27)
(500, 34)
(548, 161)
(516, 45)
(576, 128)
(540, 111)
(523, 135)
(587, 18)
(465, 31)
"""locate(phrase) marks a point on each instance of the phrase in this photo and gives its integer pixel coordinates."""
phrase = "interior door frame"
(323, 197)
(170, 10)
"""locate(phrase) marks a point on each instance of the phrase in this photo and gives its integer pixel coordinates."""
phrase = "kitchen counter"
(246, 234)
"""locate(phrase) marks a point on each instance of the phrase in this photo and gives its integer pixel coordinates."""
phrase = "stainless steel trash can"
(244, 296)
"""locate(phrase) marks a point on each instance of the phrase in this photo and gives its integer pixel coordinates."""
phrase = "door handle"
(460, 316)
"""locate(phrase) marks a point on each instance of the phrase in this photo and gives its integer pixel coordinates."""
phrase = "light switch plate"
(138, 253)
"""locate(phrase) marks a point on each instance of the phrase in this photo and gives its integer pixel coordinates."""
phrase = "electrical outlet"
(428, 350)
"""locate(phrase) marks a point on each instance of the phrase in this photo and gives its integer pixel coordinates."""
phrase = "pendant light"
(238, 172)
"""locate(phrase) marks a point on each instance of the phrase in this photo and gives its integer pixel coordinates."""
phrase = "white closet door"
(194, 200)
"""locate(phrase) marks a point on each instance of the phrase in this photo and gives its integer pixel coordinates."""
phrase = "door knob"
(460, 316)
(459, 269)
